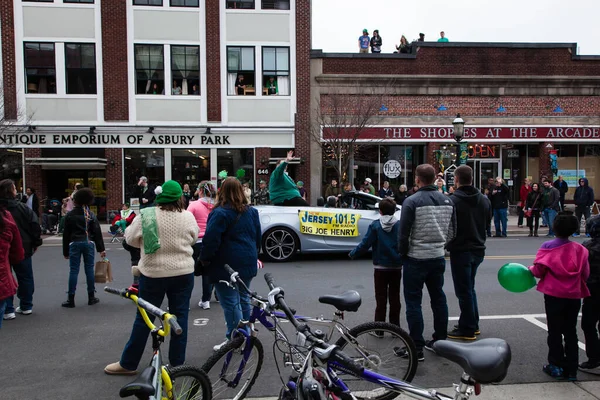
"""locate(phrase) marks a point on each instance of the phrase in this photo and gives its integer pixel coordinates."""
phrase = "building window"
(275, 4)
(185, 3)
(238, 163)
(190, 166)
(40, 67)
(143, 162)
(79, 1)
(185, 68)
(39, 1)
(80, 68)
(276, 71)
(149, 68)
(241, 75)
(241, 4)
(147, 3)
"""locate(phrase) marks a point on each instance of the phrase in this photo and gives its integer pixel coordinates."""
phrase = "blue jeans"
(179, 291)
(235, 303)
(24, 273)
(431, 274)
(550, 214)
(464, 268)
(2, 308)
(500, 220)
(76, 250)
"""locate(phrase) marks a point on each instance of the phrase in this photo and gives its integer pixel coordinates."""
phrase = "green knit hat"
(169, 192)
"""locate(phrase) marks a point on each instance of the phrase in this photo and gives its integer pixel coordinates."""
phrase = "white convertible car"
(289, 230)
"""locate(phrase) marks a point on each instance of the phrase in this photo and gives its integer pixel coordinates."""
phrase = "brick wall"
(544, 160)
(9, 84)
(482, 105)
(114, 60)
(261, 153)
(114, 178)
(448, 60)
(430, 156)
(302, 120)
(34, 176)
(213, 61)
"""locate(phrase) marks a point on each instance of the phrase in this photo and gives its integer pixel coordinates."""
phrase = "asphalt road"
(59, 353)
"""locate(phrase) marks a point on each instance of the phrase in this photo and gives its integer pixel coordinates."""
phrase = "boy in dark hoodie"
(383, 236)
(467, 249)
(590, 313)
(584, 200)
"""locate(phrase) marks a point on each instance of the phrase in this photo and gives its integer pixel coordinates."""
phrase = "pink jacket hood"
(563, 271)
(200, 209)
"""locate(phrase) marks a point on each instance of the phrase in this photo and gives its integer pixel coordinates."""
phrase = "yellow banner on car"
(328, 223)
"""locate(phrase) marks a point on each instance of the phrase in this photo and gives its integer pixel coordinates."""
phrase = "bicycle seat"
(347, 301)
(486, 361)
(141, 386)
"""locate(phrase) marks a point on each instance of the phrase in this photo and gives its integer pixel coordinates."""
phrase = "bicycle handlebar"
(145, 306)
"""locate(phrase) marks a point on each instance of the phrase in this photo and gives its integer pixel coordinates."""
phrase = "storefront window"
(366, 165)
(11, 168)
(143, 162)
(567, 166)
(191, 166)
(589, 161)
(408, 157)
(533, 162)
(238, 163)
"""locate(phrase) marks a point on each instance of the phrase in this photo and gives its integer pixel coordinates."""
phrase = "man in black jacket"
(563, 188)
(50, 216)
(30, 231)
(550, 204)
(467, 249)
(584, 200)
(145, 192)
(499, 198)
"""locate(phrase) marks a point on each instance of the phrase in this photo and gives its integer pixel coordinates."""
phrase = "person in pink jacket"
(563, 269)
(200, 209)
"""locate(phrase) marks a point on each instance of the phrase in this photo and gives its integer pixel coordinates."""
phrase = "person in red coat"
(11, 252)
(123, 219)
(523, 193)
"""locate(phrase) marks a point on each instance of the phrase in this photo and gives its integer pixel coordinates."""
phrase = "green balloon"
(516, 278)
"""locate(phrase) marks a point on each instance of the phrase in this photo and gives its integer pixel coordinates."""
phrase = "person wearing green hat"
(301, 189)
(166, 234)
(282, 188)
(261, 197)
(364, 42)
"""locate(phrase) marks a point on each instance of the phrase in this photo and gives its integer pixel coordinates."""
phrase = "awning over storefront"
(68, 163)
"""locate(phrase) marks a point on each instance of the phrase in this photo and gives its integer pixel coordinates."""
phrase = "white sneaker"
(205, 305)
(218, 347)
(9, 316)
(24, 312)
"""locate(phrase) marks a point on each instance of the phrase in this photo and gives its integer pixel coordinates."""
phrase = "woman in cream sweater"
(165, 234)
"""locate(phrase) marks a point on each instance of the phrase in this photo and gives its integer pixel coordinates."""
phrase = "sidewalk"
(589, 390)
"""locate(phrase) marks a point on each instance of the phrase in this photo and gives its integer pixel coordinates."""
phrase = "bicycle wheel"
(229, 362)
(189, 383)
(377, 346)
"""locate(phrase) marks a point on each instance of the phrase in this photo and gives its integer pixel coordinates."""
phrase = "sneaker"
(576, 235)
(116, 369)
(9, 316)
(549, 236)
(459, 334)
(587, 235)
(571, 376)
(553, 371)
(403, 353)
(205, 305)
(23, 312)
(477, 331)
(429, 345)
(219, 346)
(590, 367)
(376, 334)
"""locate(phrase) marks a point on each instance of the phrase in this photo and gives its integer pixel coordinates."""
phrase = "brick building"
(523, 104)
(104, 91)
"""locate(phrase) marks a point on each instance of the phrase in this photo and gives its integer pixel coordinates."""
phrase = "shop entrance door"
(483, 170)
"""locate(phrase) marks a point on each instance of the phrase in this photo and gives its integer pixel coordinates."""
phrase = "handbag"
(103, 271)
(198, 267)
(529, 213)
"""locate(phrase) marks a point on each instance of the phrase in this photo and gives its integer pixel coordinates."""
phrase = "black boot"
(70, 303)
(530, 233)
(535, 233)
(92, 299)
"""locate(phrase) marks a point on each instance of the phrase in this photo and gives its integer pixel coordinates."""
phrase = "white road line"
(545, 327)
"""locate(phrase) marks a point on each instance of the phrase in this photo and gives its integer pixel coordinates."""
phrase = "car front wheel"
(280, 244)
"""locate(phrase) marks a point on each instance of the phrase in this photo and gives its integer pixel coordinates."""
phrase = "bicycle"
(483, 362)
(157, 381)
(233, 369)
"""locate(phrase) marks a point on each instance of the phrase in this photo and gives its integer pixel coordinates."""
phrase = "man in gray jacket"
(551, 204)
(427, 223)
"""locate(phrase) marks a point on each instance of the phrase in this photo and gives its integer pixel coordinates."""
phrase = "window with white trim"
(240, 4)
(275, 4)
(149, 68)
(80, 67)
(148, 3)
(185, 3)
(40, 67)
(185, 70)
(241, 74)
(79, 1)
(276, 71)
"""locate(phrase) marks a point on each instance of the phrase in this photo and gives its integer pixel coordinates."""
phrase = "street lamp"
(459, 130)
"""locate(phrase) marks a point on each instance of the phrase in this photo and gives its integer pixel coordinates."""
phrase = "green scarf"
(150, 230)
